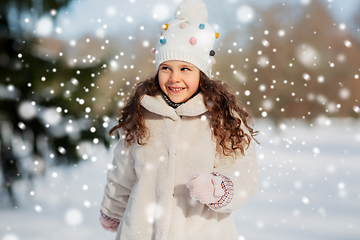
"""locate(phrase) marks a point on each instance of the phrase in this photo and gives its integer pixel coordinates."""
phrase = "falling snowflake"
(245, 14)
(73, 217)
(154, 211)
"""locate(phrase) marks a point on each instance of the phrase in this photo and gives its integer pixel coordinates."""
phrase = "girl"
(185, 159)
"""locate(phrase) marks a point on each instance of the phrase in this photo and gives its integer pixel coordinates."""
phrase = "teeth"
(176, 89)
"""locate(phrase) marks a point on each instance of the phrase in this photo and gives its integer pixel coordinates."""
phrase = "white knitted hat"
(188, 38)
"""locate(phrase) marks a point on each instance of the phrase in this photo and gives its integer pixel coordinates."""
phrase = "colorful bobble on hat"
(153, 51)
(212, 53)
(213, 61)
(202, 26)
(193, 41)
(217, 35)
(165, 26)
(183, 25)
(162, 41)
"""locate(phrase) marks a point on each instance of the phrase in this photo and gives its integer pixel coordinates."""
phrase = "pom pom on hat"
(194, 10)
(153, 51)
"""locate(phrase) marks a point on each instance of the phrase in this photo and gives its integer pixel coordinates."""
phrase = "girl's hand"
(109, 225)
(205, 187)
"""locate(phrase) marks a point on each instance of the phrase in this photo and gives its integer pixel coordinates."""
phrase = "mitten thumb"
(218, 190)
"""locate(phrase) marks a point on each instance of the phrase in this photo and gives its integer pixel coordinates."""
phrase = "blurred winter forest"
(60, 94)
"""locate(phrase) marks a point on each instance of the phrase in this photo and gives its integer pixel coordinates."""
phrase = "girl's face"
(178, 80)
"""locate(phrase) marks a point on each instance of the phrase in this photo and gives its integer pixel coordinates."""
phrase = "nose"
(175, 77)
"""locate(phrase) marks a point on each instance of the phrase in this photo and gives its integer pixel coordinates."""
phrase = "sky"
(110, 17)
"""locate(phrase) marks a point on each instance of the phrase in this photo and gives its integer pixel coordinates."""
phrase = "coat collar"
(193, 107)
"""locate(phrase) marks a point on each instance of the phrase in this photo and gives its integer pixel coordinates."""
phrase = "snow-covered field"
(309, 189)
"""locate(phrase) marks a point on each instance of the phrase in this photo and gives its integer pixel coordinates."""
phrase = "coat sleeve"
(244, 174)
(121, 178)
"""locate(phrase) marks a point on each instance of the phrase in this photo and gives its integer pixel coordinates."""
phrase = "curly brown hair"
(227, 115)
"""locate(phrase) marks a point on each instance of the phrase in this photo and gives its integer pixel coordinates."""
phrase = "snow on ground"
(309, 189)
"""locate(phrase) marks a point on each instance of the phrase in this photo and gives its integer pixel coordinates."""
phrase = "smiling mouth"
(175, 89)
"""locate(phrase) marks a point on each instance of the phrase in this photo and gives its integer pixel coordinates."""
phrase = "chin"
(177, 100)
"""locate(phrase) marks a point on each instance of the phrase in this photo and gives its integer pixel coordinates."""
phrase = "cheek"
(162, 83)
(194, 84)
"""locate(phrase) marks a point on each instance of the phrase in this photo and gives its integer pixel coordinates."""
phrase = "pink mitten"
(109, 225)
(206, 188)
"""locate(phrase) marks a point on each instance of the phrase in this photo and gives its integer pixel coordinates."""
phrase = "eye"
(185, 69)
(165, 68)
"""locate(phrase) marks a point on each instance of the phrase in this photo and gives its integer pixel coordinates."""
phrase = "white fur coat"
(146, 186)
